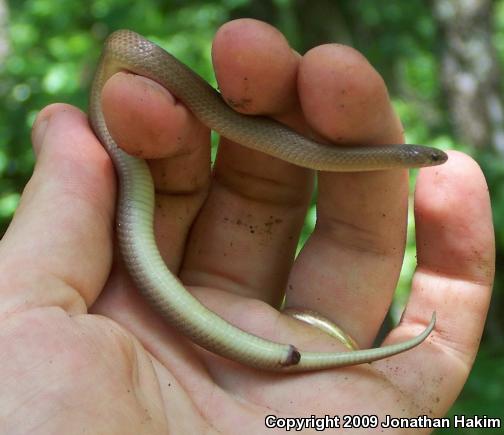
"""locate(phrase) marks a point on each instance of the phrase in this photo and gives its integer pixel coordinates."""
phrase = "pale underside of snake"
(127, 51)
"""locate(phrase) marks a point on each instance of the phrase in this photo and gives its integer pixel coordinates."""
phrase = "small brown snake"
(126, 50)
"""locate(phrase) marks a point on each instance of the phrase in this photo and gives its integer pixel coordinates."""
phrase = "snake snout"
(420, 156)
(438, 157)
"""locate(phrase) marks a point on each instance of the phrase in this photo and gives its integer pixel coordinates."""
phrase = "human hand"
(81, 351)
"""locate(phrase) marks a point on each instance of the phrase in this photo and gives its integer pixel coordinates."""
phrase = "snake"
(125, 50)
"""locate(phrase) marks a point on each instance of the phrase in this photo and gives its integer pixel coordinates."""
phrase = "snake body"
(126, 50)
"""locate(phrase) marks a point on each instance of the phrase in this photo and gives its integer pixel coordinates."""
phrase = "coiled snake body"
(126, 50)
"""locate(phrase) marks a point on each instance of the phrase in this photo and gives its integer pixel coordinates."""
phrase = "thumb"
(58, 247)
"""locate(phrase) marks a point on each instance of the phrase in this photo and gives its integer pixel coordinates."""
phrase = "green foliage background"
(55, 45)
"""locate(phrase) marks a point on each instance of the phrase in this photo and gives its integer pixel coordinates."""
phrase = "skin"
(82, 350)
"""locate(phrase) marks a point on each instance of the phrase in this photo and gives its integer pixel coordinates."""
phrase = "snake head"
(419, 156)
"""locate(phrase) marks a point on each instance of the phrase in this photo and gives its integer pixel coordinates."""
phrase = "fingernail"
(154, 85)
(39, 132)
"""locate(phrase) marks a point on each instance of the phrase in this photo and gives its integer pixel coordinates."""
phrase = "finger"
(245, 237)
(456, 257)
(57, 250)
(148, 122)
(349, 268)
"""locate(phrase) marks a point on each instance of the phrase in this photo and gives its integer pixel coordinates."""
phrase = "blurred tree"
(471, 72)
(4, 37)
